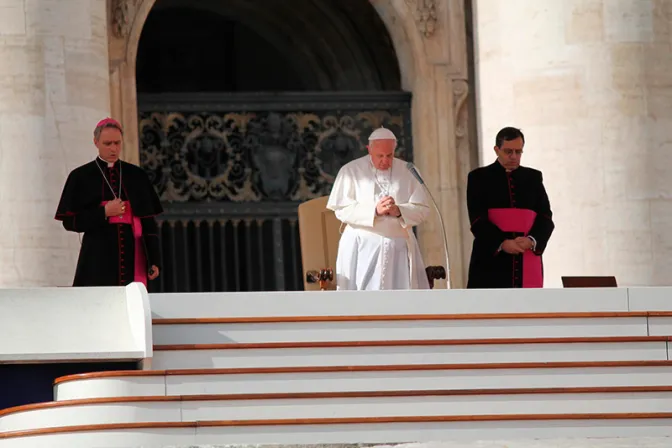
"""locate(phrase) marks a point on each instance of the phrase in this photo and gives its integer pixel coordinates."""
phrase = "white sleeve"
(345, 204)
(416, 210)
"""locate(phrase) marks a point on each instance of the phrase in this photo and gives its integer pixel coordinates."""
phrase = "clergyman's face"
(510, 153)
(109, 144)
(382, 153)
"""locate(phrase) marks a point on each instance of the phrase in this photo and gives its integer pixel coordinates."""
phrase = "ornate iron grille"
(231, 170)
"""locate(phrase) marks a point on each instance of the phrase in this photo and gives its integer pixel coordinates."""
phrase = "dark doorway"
(191, 50)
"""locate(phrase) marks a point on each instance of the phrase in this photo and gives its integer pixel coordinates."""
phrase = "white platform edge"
(324, 303)
(650, 299)
(140, 320)
(75, 324)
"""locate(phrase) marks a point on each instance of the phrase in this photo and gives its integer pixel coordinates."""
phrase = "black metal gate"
(231, 170)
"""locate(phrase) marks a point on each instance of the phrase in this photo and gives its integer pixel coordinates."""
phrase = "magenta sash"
(520, 220)
(140, 274)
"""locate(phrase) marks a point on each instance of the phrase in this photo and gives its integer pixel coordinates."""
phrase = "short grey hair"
(99, 129)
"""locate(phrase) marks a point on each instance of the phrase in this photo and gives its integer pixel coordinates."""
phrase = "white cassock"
(378, 252)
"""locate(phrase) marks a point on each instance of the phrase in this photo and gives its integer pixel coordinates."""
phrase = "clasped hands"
(116, 207)
(386, 206)
(517, 246)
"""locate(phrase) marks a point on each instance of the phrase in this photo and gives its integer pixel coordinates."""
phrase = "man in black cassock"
(114, 204)
(510, 217)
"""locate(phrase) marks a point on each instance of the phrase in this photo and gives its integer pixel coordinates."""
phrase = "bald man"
(113, 204)
(379, 202)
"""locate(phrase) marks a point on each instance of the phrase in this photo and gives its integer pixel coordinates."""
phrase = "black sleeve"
(543, 224)
(73, 218)
(482, 228)
(150, 234)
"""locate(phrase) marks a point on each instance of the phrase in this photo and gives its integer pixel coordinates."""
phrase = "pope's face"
(382, 153)
(109, 144)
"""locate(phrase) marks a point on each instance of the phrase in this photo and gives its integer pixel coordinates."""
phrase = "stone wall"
(53, 89)
(66, 64)
(590, 84)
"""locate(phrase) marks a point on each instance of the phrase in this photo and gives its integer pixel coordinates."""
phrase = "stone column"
(590, 84)
(54, 86)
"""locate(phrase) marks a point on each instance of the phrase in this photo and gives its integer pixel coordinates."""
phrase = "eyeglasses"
(509, 152)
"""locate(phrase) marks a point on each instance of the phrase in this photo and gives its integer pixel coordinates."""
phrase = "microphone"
(414, 172)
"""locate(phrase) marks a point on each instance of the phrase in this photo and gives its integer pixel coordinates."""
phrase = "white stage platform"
(75, 324)
(384, 367)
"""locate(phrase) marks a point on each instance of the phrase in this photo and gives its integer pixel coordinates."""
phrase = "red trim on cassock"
(140, 261)
(60, 216)
(148, 216)
(512, 201)
(120, 257)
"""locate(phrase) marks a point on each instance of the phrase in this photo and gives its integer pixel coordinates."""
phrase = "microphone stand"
(443, 232)
(415, 174)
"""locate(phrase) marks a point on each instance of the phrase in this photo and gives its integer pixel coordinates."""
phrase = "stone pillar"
(54, 86)
(590, 84)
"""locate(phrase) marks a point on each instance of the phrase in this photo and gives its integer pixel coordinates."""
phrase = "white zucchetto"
(382, 134)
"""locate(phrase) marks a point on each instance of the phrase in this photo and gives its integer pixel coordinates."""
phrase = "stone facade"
(589, 81)
(54, 82)
(586, 79)
(68, 63)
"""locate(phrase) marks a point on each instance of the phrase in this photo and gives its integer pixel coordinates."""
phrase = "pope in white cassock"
(379, 201)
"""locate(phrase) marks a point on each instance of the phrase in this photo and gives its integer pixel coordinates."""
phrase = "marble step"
(348, 430)
(408, 327)
(365, 404)
(455, 351)
(363, 378)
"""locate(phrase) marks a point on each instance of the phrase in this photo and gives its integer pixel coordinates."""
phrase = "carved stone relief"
(424, 12)
(122, 16)
(460, 95)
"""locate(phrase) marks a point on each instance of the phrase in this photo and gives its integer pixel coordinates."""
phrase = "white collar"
(109, 164)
